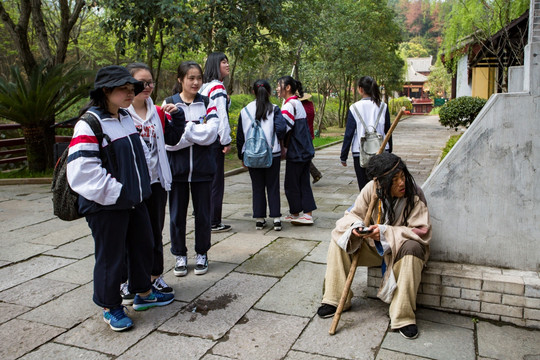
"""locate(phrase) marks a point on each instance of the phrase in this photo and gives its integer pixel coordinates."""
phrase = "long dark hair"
(262, 90)
(211, 68)
(97, 99)
(296, 86)
(371, 88)
(383, 168)
(181, 73)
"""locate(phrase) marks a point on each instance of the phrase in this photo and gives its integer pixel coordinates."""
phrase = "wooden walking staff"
(367, 220)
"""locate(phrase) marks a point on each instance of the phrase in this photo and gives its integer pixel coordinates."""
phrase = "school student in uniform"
(215, 70)
(300, 151)
(193, 166)
(112, 185)
(155, 130)
(369, 108)
(274, 128)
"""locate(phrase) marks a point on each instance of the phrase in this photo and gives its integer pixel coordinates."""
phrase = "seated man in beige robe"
(398, 241)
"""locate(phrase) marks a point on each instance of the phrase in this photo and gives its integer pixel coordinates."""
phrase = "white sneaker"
(201, 266)
(290, 218)
(180, 269)
(303, 220)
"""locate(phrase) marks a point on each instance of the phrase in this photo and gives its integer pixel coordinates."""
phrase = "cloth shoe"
(201, 266)
(277, 225)
(409, 331)
(290, 218)
(326, 311)
(220, 228)
(127, 297)
(259, 225)
(117, 318)
(180, 269)
(155, 298)
(303, 220)
(160, 285)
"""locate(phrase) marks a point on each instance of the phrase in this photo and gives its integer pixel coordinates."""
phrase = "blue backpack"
(257, 152)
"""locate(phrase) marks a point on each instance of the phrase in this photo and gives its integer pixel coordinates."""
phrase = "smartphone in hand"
(364, 230)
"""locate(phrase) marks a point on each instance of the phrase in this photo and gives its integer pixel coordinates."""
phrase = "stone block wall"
(511, 296)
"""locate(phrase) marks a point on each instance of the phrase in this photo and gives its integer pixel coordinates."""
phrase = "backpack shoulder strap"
(95, 125)
(174, 99)
(359, 116)
(380, 113)
(250, 117)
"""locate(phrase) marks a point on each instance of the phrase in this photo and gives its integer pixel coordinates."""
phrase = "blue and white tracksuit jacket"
(300, 148)
(216, 92)
(354, 130)
(273, 126)
(192, 159)
(125, 181)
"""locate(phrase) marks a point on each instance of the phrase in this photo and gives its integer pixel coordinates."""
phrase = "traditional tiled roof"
(416, 66)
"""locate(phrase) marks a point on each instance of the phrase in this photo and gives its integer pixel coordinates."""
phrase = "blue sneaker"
(117, 319)
(156, 298)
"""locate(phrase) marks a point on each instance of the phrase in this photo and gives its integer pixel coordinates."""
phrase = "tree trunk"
(39, 146)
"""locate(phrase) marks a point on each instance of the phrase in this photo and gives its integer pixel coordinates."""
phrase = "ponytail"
(296, 86)
(371, 88)
(262, 90)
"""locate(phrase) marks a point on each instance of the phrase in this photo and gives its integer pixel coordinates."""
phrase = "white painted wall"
(463, 88)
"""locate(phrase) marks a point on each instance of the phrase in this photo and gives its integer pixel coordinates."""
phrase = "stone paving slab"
(64, 233)
(189, 287)
(319, 253)
(239, 247)
(246, 341)
(358, 335)
(307, 280)
(36, 292)
(90, 334)
(298, 355)
(435, 341)
(21, 336)
(67, 310)
(62, 352)
(394, 355)
(277, 258)
(80, 272)
(171, 346)
(511, 342)
(11, 311)
(30, 269)
(77, 249)
(16, 251)
(218, 309)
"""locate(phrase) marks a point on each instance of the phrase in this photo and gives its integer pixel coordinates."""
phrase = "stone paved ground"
(257, 301)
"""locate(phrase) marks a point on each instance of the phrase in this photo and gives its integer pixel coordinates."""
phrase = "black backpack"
(65, 200)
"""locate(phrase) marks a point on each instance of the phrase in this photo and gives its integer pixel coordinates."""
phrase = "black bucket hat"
(113, 76)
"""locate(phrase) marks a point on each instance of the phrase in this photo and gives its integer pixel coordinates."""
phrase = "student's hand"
(344, 163)
(244, 166)
(170, 108)
(226, 149)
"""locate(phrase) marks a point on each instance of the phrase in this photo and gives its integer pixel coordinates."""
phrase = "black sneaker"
(277, 225)
(326, 311)
(409, 331)
(220, 228)
(160, 285)
(127, 297)
(201, 266)
(259, 225)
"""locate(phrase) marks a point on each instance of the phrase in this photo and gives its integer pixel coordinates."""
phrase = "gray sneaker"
(180, 269)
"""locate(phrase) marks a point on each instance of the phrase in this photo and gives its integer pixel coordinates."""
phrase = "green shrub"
(435, 111)
(461, 111)
(397, 103)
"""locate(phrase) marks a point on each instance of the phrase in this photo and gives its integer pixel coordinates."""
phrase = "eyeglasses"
(149, 84)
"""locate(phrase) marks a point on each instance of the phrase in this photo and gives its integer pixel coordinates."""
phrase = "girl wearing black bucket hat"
(112, 181)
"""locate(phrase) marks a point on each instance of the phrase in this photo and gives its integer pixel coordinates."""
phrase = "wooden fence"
(15, 150)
